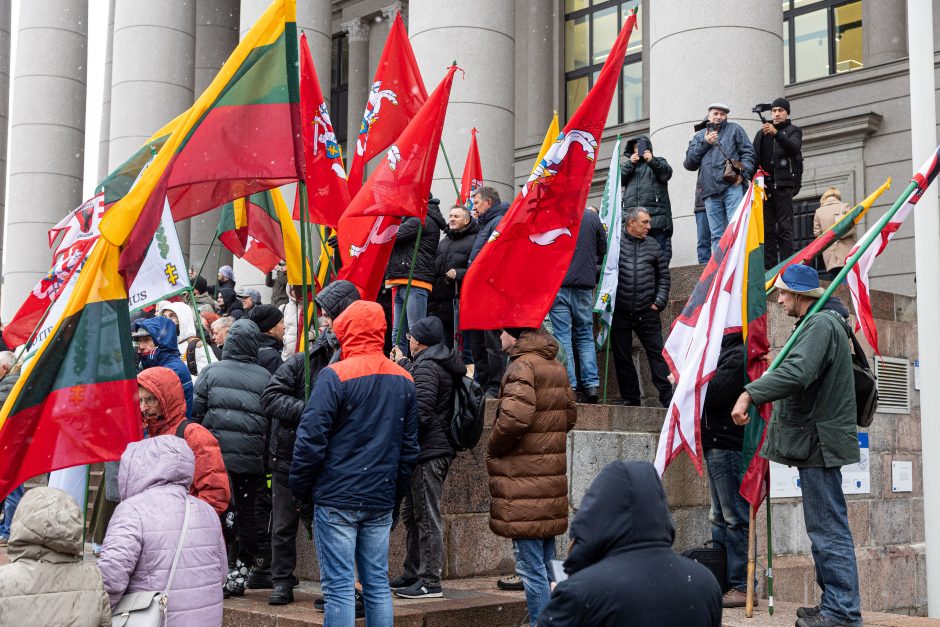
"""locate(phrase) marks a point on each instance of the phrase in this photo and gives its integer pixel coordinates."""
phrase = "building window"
(820, 38)
(591, 26)
(339, 86)
(803, 213)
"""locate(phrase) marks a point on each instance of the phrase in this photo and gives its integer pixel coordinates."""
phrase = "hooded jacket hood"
(448, 359)
(623, 510)
(163, 332)
(159, 461)
(632, 142)
(165, 385)
(184, 314)
(360, 329)
(47, 526)
(229, 299)
(336, 297)
(538, 341)
(242, 342)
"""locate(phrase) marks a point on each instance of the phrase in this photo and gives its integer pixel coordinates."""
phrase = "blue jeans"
(720, 209)
(533, 557)
(9, 508)
(827, 525)
(417, 308)
(729, 512)
(572, 315)
(703, 236)
(345, 538)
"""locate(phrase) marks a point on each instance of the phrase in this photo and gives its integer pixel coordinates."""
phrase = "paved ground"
(785, 614)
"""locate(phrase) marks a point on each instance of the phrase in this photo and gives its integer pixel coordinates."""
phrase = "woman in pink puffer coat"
(139, 546)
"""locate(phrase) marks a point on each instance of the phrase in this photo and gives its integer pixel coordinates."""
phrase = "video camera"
(759, 110)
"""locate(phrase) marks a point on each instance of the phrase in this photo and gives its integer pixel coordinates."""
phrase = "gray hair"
(6, 359)
(223, 323)
(632, 213)
(488, 193)
(464, 209)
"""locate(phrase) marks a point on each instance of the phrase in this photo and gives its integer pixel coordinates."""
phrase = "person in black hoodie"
(422, 280)
(489, 362)
(283, 403)
(230, 304)
(622, 571)
(450, 266)
(646, 184)
(434, 371)
(270, 321)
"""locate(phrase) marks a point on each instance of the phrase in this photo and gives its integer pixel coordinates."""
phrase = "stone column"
(481, 37)
(358, 33)
(680, 100)
(5, 53)
(315, 19)
(104, 139)
(534, 102)
(884, 31)
(151, 75)
(216, 37)
(379, 27)
(47, 137)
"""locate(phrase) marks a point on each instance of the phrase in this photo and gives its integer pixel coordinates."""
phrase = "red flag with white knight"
(399, 187)
(537, 236)
(327, 194)
(472, 178)
(396, 95)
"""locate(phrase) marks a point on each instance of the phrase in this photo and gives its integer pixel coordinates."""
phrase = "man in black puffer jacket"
(622, 571)
(646, 184)
(453, 257)
(227, 402)
(642, 293)
(422, 281)
(434, 370)
(283, 402)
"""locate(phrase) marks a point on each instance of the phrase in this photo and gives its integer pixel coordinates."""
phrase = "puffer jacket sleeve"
(313, 434)
(791, 142)
(427, 384)
(105, 612)
(627, 170)
(696, 152)
(278, 401)
(663, 280)
(746, 153)
(210, 480)
(661, 169)
(201, 398)
(409, 448)
(121, 551)
(516, 408)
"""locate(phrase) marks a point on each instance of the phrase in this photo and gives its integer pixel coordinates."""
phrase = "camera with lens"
(760, 108)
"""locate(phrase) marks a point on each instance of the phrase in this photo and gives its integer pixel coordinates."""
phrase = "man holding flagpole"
(814, 429)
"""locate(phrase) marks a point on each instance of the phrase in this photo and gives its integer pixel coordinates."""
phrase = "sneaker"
(282, 594)
(402, 582)
(736, 598)
(420, 591)
(259, 579)
(512, 582)
(818, 621)
(235, 582)
(319, 604)
(807, 612)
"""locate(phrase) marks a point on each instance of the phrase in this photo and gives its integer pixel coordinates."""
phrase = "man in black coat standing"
(642, 293)
(622, 571)
(646, 184)
(434, 370)
(453, 257)
(778, 145)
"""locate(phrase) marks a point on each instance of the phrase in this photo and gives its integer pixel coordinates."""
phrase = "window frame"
(830, 7)
(591, 69)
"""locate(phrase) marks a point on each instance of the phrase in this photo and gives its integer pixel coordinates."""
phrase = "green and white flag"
(611, 218)
(163, 273)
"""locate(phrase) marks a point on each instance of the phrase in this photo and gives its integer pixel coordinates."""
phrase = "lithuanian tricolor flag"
(75, 401)
(241, 136)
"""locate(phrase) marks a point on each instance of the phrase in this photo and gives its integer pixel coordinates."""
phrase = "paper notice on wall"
(856, 478)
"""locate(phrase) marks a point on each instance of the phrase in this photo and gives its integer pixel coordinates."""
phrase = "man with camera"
(724, 156)
(778, 146)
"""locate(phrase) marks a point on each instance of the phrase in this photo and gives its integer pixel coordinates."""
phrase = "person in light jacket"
(145, 530)
(831, 210)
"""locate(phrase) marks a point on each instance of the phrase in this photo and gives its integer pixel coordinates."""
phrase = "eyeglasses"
(150, 401)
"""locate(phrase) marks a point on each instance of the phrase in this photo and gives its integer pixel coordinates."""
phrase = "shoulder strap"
(191, 356)
(858, 353)
(181, 428)
(179, 545)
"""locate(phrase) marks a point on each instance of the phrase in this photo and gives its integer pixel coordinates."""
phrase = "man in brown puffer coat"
(526, 457)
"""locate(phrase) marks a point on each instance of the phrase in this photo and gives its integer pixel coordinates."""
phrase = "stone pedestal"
(714, 34)
(47, 138)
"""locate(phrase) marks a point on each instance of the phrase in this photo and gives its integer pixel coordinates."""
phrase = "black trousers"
(648, 329)
(488, 359)
(421, 514)
(245, 488)
(263, 521)
(778, 226)
(285, 520)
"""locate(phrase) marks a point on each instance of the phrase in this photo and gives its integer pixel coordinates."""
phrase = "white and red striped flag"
(857, 278)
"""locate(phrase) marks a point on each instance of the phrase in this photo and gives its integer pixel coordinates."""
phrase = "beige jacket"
(47, 582)
(828, 214)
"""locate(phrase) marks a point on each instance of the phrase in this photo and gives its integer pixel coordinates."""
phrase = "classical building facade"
(841, 63)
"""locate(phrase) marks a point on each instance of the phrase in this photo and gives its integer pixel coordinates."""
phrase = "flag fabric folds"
(827, 238)
(611, 214)
(327, 195)
(396, 95)
(722, 301)
(399, 187)
(537, 236)
(75, 401)
(472, 178)
(241, 136)
(857, 279)
(550, 136)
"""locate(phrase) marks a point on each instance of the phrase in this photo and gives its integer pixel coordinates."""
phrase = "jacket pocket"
(794, 438)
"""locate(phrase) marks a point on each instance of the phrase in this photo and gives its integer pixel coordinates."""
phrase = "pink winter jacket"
(138, 549)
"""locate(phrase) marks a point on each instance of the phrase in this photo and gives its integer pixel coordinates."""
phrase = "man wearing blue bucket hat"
(813, 428)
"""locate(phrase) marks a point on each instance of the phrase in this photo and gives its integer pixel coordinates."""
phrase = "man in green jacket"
(813, 428)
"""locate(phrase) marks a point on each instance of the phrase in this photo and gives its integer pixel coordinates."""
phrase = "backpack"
(181, 428)
(866, 386)
(466, 424)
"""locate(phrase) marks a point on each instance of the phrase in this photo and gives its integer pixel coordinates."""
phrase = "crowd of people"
(245, 446)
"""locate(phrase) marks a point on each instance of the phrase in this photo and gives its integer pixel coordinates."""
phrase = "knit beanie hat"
(783, 103)
(429, 331)
(265, 316)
